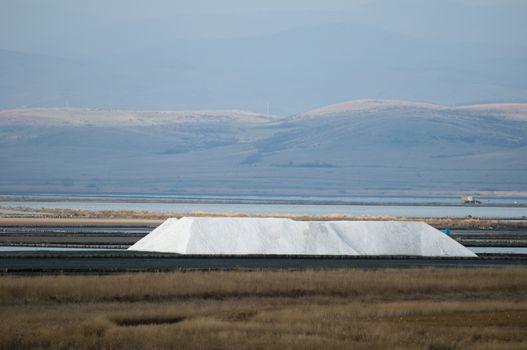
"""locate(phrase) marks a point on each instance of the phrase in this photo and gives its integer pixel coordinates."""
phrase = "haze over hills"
(296, 69)
(55, 117)
(374, 146)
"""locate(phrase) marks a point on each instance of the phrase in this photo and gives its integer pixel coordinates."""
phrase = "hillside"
(372, 146)
(99, 117)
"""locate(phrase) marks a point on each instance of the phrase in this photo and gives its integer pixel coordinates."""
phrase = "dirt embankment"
(74, 217)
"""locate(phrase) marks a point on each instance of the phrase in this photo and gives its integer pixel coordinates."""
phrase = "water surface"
(300, 209)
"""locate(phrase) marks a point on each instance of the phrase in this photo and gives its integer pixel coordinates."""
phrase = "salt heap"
(276, 236)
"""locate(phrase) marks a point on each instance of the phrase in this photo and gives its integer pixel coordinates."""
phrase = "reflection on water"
(445, 199)
(477, 250)
(499, 250)
(49, 249)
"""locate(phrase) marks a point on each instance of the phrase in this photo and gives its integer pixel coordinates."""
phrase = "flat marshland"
(427, 308)
(79, 217)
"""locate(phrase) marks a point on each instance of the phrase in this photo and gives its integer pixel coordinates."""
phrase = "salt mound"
(274, 236)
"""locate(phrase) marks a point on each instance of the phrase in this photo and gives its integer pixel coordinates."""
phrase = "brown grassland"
(78, 217)
(429, 308)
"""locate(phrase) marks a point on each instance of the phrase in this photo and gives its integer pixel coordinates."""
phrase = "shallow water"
(50, 249)
(300, 209)
(365, 199)
(477, 250)
(498, 250)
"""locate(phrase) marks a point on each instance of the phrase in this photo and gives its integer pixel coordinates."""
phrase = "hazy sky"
(34, 24)
(235, 53)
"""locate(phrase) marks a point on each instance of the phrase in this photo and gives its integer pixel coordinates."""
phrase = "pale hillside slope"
(358, 146)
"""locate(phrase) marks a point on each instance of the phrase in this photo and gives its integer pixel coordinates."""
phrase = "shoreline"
(382, 201)
(70, 217)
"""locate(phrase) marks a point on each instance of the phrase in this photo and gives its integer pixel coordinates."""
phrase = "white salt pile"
(275, 236)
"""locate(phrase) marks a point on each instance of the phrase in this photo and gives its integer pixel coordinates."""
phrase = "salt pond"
(477, 250)
(49, 249)
(301, 209)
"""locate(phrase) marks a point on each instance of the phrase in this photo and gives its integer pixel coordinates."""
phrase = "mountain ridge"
(115, 116)
(516, 110)
(394, 148)
(513, 109)
(315, 66)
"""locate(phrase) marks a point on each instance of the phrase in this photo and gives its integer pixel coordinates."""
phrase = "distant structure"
(278, 236)
(469, 200)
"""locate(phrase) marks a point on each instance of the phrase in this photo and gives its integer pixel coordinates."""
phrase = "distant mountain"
(374, 146)
(98, 117)
(34, 80)
(296, 69)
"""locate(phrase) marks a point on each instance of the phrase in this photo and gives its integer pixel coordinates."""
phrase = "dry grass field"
(77, 217)
(309, 309)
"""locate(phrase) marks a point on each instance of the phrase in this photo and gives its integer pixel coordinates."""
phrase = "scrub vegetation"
(261, 309)
(78, 217)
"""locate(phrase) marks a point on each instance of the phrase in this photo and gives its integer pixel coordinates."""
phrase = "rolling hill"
(374, 146)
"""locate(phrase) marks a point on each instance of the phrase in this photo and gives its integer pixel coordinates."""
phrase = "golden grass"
(66, 217)
(263, 283)
(47, 221)
(331, 309)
